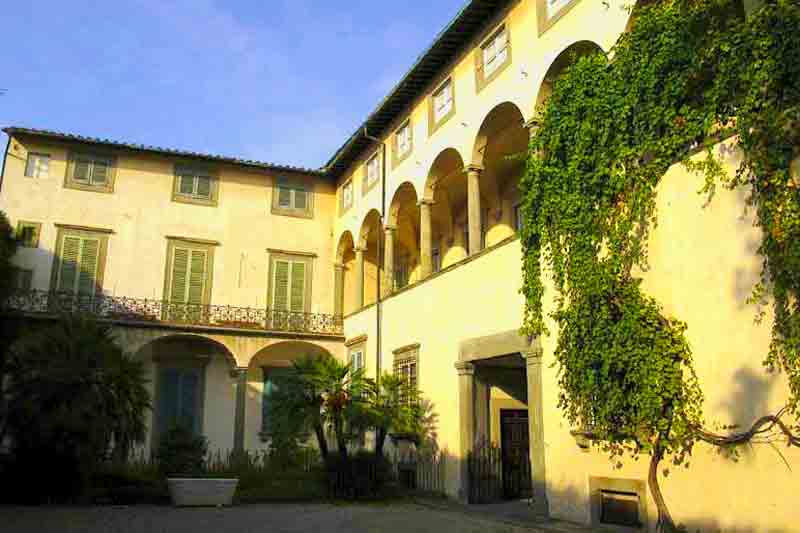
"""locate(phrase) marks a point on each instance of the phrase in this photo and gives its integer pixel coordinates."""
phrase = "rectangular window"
(443, 102)
(37, 165)
(289, 291)
(548, 12)
(179, 399)
(272, 380)
(403, 142)
(188, 280)
(292, 197)
(495, 52)
(373, 172)
(28, 234)
(195, 185)
(91, 172)
(357, 359)
(347, 196)
(406, 362)
(23, 279)
(80, 262)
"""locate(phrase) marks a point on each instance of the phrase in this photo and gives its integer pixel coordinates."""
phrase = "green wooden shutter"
(280, 299)
(186, 184)
(197, 277)
(100, 172)
(284, 195)
(68, 271)
(180, 273)
(89, 258)
(298, 290)
(204, 186)
(81, 170)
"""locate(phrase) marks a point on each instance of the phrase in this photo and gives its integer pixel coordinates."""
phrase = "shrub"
(182, 452)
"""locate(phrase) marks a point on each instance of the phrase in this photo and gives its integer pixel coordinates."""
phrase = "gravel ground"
(384, 518)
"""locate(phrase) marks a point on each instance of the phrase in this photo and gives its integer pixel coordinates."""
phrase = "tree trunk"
(665, 523)
(323, 443)
(338, 428)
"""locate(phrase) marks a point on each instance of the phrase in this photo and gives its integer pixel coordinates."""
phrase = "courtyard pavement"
(278, 518)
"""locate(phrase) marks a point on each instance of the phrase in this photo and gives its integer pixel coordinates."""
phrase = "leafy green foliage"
(181, 452)
(74, 397)
(688, 74)
(8, 247)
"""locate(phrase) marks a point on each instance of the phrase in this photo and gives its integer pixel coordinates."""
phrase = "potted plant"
(181, 458)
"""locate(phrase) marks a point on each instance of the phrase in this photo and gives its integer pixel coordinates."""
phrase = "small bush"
(182, 452)
(364, 475)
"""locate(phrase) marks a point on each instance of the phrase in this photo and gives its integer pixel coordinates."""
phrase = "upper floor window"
(290, 287)
(372, 172)
(347, 196)
(195, 186)
(292, 197)
(189, 275)
(28, 234)
(402, 142)
(549, 11)
(37, 165)
(443, 101)
(79, 261)
(495, 54)
(90, 172)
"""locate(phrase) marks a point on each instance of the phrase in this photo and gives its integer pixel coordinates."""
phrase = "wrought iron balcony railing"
(144, 310)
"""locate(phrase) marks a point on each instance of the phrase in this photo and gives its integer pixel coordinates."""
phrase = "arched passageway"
(402, 261)
(345, 272)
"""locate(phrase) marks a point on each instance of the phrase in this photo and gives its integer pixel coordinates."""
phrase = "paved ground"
(383, 518)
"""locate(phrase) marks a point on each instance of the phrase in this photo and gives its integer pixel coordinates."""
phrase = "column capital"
(533, 355)
(389, 227)
(360, 249)
(338, 266)
(425, 201)
(473, 168)
(532, 124)
(239, 372)
(465, 368)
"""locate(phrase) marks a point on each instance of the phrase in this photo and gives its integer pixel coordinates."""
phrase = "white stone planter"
(195, 492)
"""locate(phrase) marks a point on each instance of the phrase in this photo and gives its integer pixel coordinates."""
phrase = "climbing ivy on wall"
(689, 74)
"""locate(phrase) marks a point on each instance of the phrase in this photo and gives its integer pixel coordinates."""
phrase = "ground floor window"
(180, 399)
(406, 362)
(272, 379)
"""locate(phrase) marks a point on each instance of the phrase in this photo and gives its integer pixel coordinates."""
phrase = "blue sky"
(285, 81)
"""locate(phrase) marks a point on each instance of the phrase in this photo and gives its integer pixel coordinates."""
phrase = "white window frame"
(196, 177)
(37, 165)
(373, 171)
(403, 137)
(443, 101)
(347, 195)
(492, 57)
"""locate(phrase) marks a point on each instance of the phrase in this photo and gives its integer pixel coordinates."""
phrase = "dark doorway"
(515, 445)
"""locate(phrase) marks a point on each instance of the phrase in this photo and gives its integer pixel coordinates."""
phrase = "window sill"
(211, 202)
(107, 189)
(289, 212)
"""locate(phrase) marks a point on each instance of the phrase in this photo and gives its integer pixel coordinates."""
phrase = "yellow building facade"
(402, 252)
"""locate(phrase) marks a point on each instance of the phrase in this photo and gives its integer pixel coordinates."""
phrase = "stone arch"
(141, 342)
(404, 223)
(501, 137)
(561, 62)
(345, 272)
(370, 240)
(266, 363)
(191, 377)
(446, 188)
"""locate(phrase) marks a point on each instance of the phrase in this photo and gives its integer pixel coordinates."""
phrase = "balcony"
(151, 312)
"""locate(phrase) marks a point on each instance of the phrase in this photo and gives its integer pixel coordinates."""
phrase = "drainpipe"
(378, 302)
(5, 158)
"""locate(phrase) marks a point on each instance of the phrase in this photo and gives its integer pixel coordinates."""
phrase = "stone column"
(338, 291)
(425, 238)
(466, 417)
(388, 260)
(483, 432)
(240, 374)
(533, 361)
(359, 285)
(474, 207)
